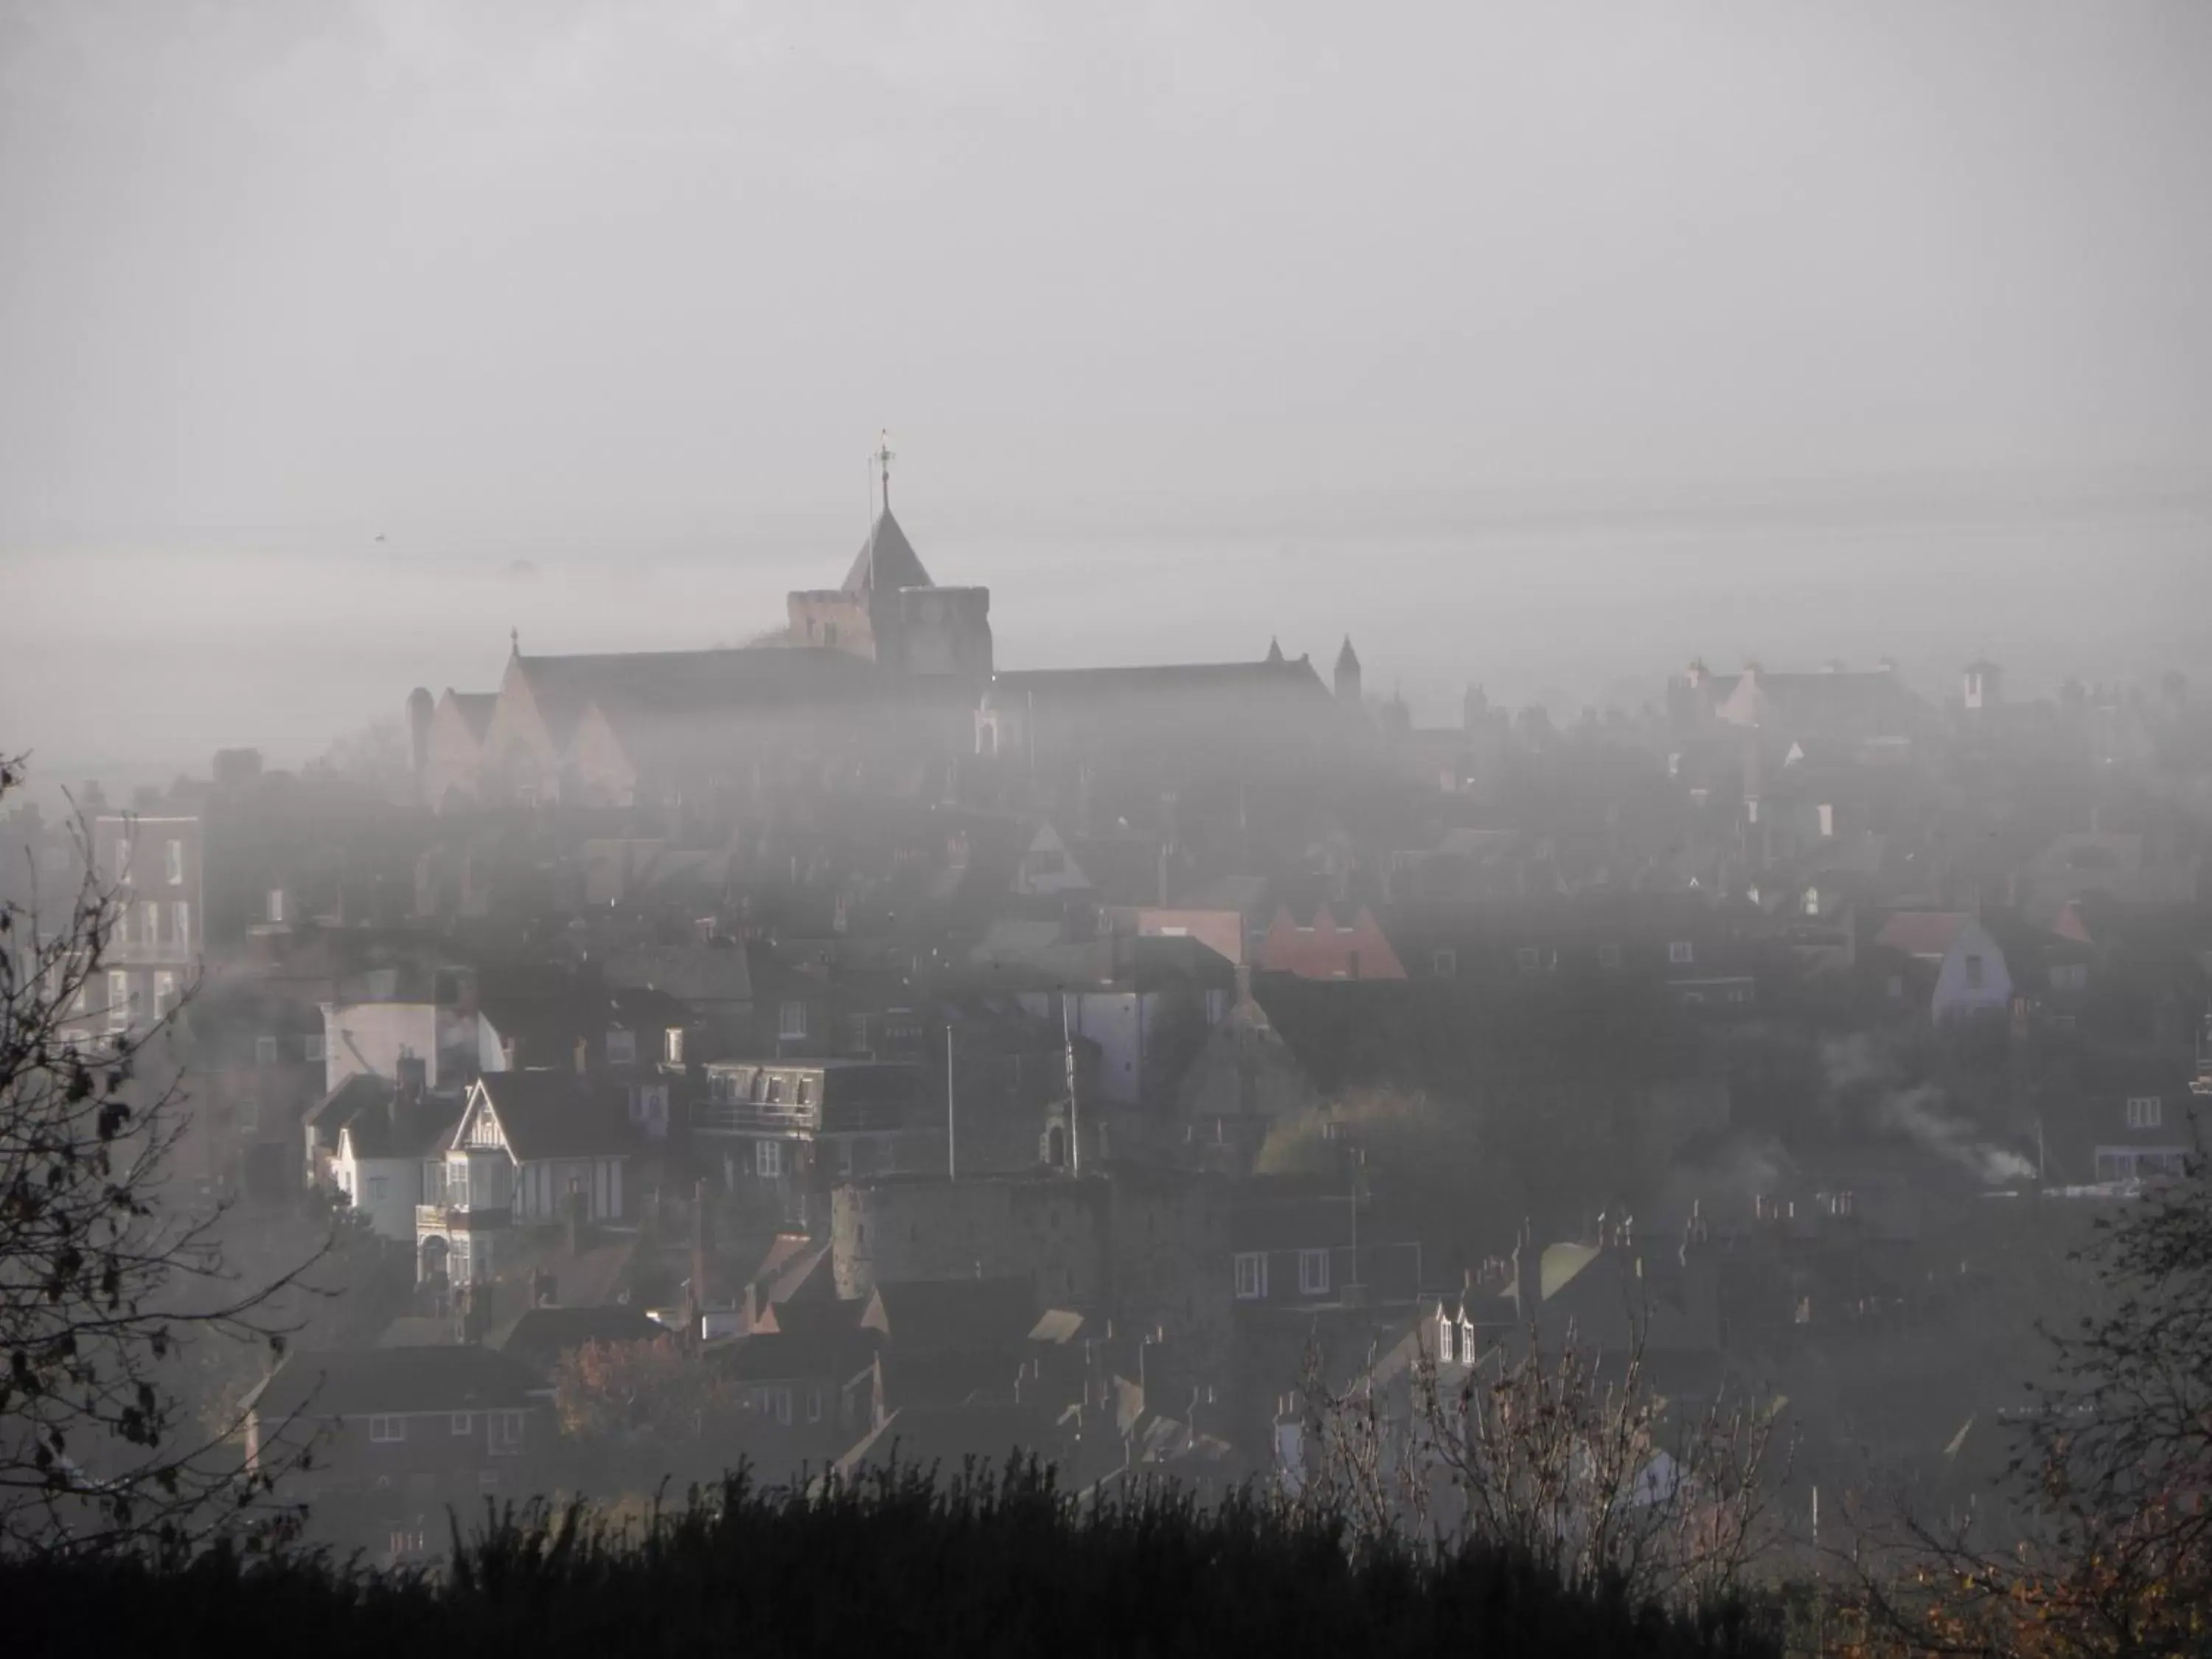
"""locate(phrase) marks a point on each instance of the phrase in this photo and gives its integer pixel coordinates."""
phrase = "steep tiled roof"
(886, 560)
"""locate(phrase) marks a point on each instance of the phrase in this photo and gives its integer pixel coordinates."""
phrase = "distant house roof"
(386, 1382)
(833, 1355)
(886, 560)
(542, 1335)
(363, 1091)
(408, 1133)
(953, 1313)
(702, 974)
(1926, 933)
(557, 1114)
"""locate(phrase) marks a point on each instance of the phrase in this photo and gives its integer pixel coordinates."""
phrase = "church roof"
(628, 684)
(1348, 658)
(887, 560)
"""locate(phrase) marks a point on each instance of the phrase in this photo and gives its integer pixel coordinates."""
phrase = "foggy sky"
(581, 281)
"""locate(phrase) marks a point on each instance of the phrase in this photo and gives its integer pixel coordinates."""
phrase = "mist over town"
(1355, 831)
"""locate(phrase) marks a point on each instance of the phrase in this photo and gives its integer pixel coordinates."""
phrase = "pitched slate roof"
(380, 1382)
(886, 560)
(556, 1114)
(363, 1091)
(782, 1356)
(1008, 688)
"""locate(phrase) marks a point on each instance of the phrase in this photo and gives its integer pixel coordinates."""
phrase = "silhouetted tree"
(103, 1282)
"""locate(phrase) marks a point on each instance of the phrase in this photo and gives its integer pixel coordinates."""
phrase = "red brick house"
(1325, 945)
(430, 1422)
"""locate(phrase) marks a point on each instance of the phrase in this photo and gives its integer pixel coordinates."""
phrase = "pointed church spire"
(1347, 673)
(1274, 650)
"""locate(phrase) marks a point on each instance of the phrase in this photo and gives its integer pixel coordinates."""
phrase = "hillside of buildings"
(839, 1051)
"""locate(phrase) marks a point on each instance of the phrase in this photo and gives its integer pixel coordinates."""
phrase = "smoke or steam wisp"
(1856, 1067)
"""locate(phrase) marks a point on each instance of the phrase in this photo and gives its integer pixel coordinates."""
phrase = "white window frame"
(671, 1045)
(173, 861)
(180, 916)
(622, 1048)
(1447, 1341)
(767, 1159)
(379, 1188)
(150, 913)
(118, 1000)
(1681, 951)
(506, 1433)
(463, 1423)
(1313, 1272)
(814, 1404)
(313, 1049)
(791, 1022)
(1443, 962)
(276, 904)
(122, 859)
(165, 994)
(774, 1400)
(2146, 1111)
(264, 1051)
(387, 1431)
(1251, 1275)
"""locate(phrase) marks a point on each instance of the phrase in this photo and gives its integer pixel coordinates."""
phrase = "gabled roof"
(555, 1114)
(380, 1382)
(886, 560)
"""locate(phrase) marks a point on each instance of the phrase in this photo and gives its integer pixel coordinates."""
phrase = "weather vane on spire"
(882, 458)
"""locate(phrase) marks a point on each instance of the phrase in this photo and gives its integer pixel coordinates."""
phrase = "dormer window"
(1681, 952)
(1446, 1343)
(672, 1047)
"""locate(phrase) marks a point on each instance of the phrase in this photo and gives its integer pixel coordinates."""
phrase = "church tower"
(889, 609)
(1347, 675)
